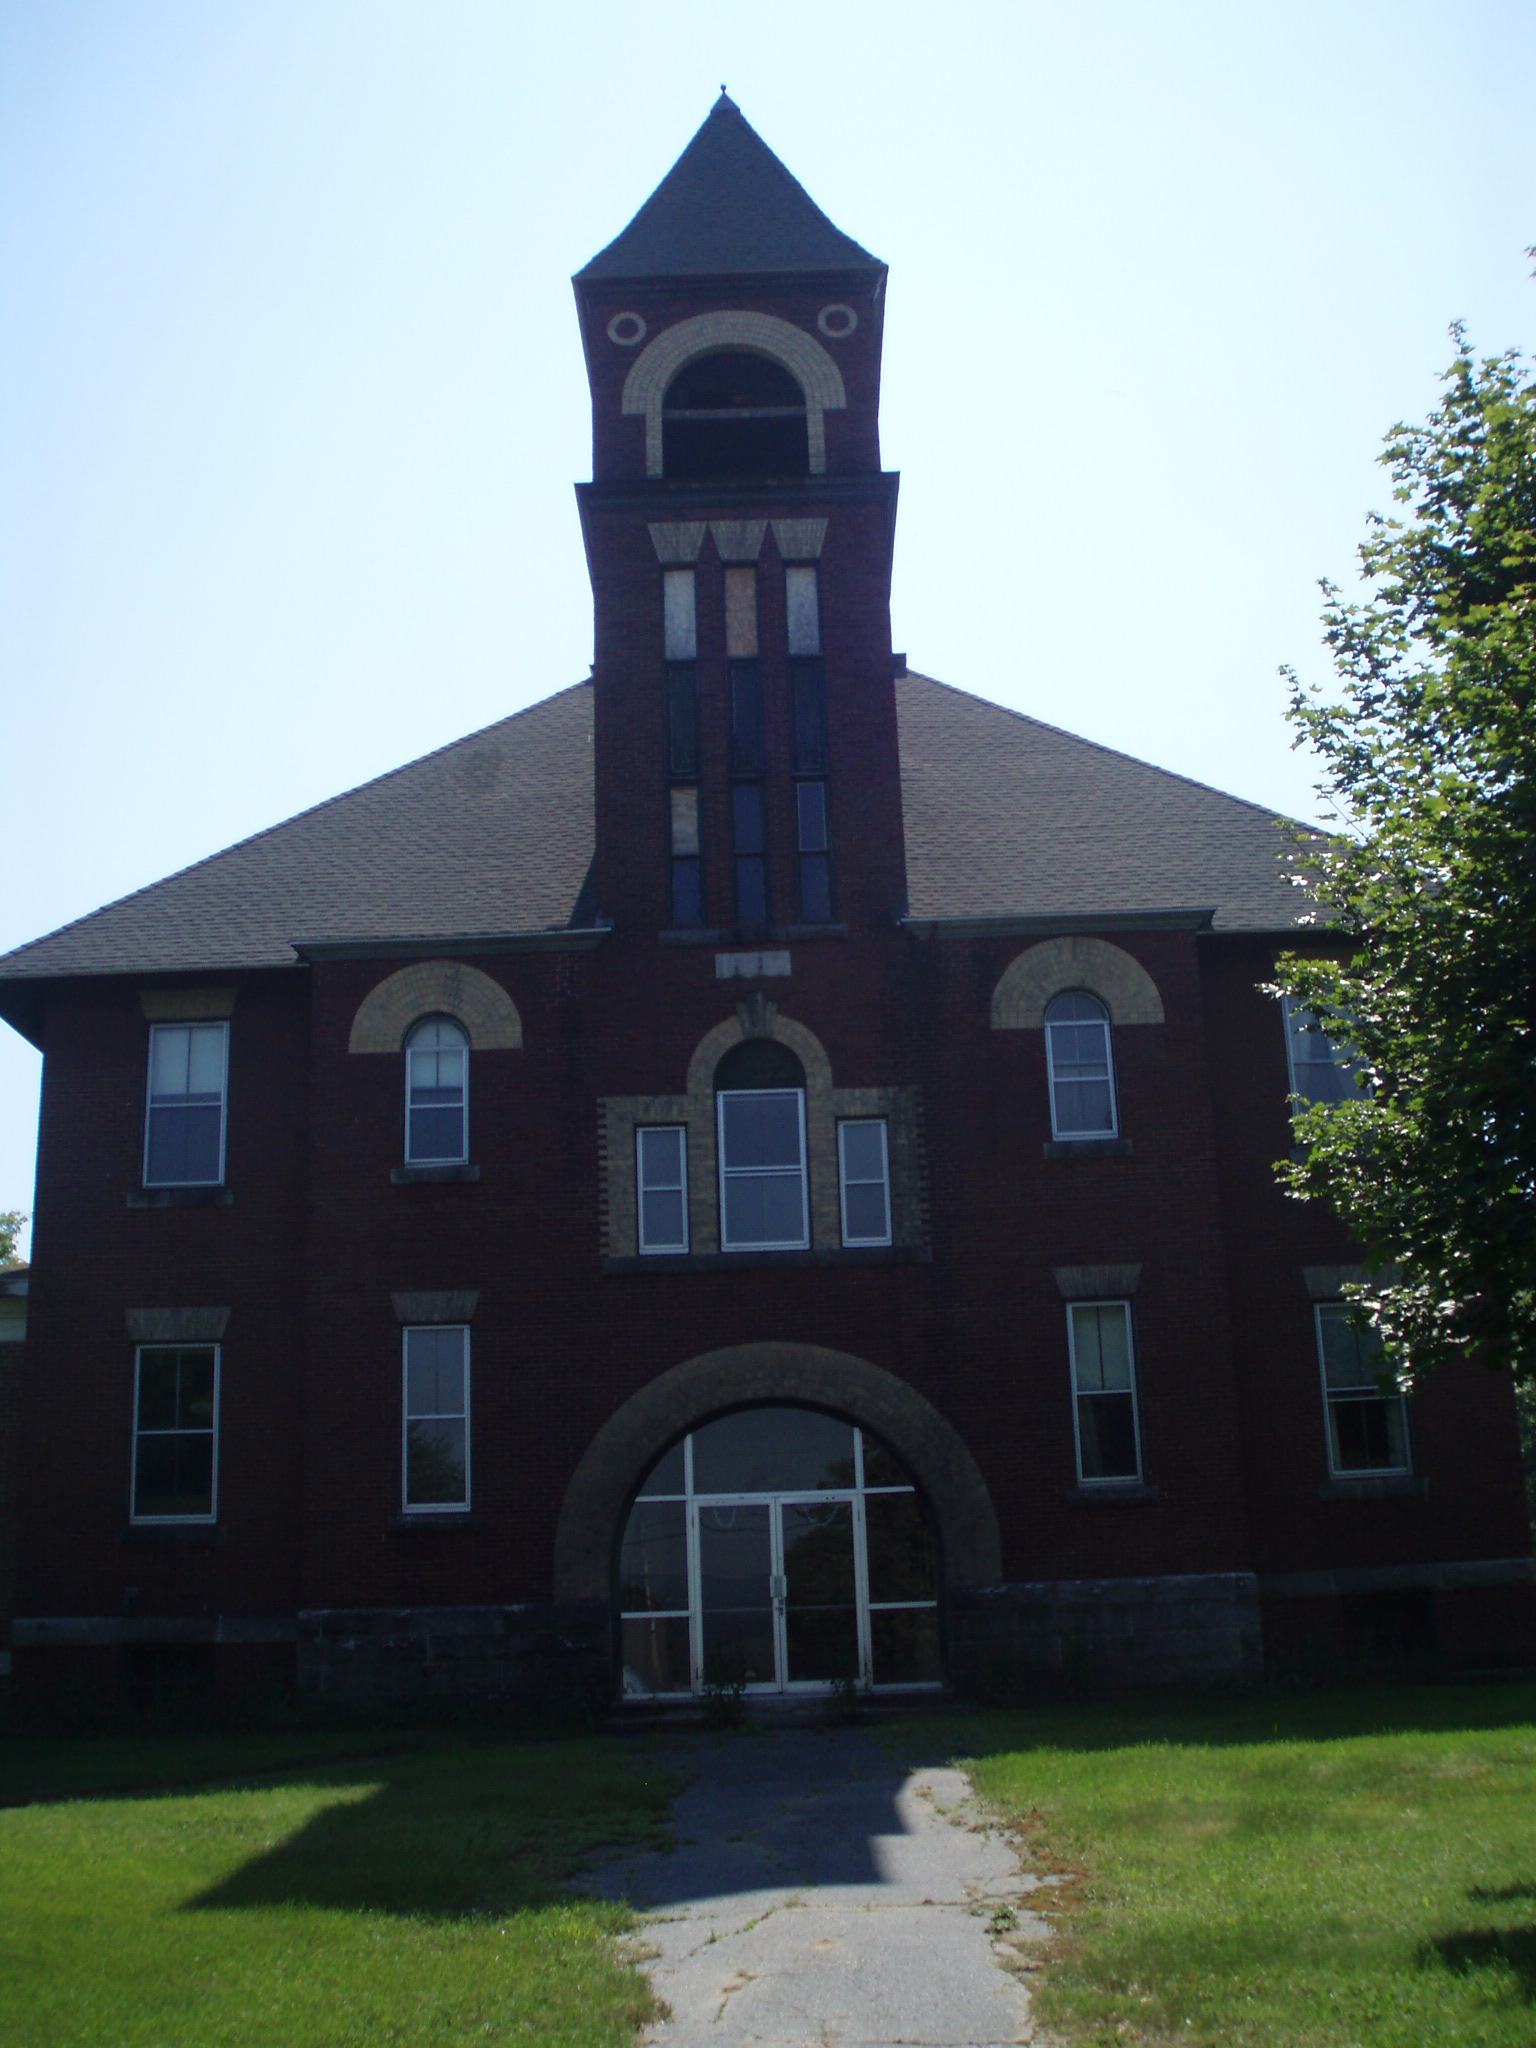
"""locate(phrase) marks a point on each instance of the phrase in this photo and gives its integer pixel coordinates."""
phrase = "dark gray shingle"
(1004, 817)
(727, 207)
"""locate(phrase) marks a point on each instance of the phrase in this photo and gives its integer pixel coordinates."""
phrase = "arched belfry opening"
(734, 413)
(781, 1548)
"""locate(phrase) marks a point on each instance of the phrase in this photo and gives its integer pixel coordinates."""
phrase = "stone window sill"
(412, 1176)
(179, 1198)
(1088, 1148)
(151, 1535)
(426, 1524)
(1374, 1486)
(1111, 1494)
(726, 1262)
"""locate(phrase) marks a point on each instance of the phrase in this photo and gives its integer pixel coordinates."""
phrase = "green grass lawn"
(294, 1900)
(1357, 1867)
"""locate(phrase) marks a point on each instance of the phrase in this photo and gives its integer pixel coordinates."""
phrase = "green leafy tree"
(1428, 876)
(11, 1221)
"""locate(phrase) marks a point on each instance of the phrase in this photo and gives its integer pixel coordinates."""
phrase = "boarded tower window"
(734, 414)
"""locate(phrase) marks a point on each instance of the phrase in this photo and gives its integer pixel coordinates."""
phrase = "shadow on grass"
(1475, 1949)
(1502, 1894)
(460, 1833)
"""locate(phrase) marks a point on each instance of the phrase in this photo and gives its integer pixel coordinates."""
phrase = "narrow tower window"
(815, 857)
(687, 880)
(751, 854)
(802, 603)
(680, 615)
(734, 414)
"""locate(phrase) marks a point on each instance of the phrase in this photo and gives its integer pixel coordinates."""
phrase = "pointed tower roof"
(728, 206)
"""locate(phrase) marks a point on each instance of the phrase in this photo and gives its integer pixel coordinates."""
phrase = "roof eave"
(1008, 925)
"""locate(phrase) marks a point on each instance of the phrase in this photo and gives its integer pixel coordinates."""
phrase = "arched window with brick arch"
(436, 1093)
(1081, 1066)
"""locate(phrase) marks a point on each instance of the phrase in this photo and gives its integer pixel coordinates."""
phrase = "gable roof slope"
(492, 834)
(728, 207)
(1009, 817)
(1004, 816)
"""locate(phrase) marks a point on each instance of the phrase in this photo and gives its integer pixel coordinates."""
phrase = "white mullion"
(861, 1574)
(780, 1606)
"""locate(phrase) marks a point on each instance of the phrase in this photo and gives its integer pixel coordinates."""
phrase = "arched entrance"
(782, 1549)
(775, 1373)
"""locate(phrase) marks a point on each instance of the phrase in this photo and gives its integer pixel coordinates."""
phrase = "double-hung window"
(437, 1094)
(1082, 1072)
(175, 1433)
(1320, 1069)
(762, 1170)
(184, 1127)
(435, 1453)
(1367, 1416)
(661, 1163)
(1104, 1391)
(864, 1176)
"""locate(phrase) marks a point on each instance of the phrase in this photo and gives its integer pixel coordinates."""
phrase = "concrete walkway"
(822, 1896)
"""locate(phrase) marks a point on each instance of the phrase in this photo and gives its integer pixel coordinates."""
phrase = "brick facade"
(1236, 1548)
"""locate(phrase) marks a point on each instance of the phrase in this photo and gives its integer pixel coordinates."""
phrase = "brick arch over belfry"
(800, 353)
(743, 1375)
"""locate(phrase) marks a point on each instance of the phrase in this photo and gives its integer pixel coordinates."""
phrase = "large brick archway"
(626, 1446)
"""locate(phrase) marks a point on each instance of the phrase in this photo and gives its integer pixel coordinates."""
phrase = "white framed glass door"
(782, 1550)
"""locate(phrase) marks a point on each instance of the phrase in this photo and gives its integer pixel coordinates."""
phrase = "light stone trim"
(689, 1394)
(824, 1105)
(1096, 1283)
(1040, 974)
(436, 988)
(738, 540)
(456, 1306)
(750, 966)
(1327, 1283)
(185, 1005)
(176, 1325)
(813, 369)
(799, 540)
(677, 545)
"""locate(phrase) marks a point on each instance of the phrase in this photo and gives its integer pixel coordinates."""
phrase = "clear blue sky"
(292, 398)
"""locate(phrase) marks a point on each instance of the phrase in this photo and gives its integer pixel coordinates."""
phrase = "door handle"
(778, 1585)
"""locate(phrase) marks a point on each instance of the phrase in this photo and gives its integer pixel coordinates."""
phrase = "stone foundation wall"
(1197, 1628)
(549, 1657)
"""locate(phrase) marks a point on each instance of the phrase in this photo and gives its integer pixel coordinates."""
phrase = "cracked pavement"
(824, 1896)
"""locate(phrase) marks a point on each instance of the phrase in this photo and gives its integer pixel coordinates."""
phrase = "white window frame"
(863, 1122)
(641, 1131)
(174, 1521)
(430, 1507)
(438, 1017)
(798, 1244)
(1079, 1137)
(1291, 1010)
(1137, 1478)
(221, 1025)
(1347, 1472)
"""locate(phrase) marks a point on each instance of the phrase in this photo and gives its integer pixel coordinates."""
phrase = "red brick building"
(757, 1168)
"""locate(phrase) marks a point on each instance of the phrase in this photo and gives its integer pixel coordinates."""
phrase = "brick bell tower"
(738, 529)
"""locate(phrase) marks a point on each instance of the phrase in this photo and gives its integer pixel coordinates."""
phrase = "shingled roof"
(728, 207)
(492, 836)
